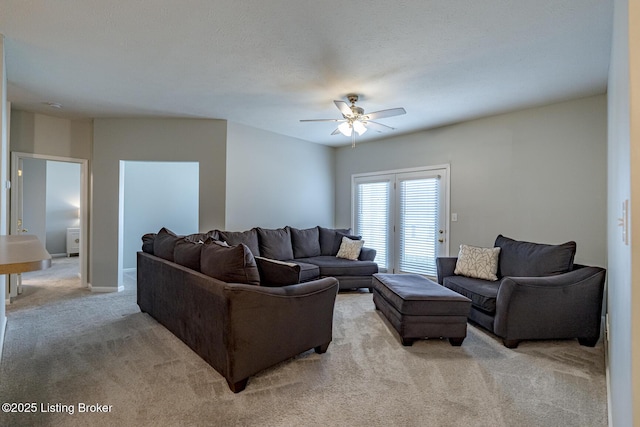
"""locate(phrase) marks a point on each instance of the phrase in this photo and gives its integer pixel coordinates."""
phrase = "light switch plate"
(454, 217)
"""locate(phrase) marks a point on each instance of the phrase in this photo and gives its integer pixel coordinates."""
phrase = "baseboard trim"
(103, 289)
(2, 331)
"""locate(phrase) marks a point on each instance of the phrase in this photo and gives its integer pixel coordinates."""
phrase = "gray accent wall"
(52, 136)
(34, 191)
(156, 195)
(537, 174)
(180, 140)
(274, 180)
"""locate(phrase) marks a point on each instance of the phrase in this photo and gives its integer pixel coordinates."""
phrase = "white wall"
(537, 174)
(274, 180)
(156, 195)
(182, 140)
(624, 184)
(62, 203)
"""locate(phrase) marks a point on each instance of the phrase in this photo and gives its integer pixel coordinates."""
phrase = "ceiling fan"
(354, 119)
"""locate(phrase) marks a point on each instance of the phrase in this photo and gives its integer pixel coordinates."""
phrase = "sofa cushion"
(328, 244)
(249, 238)
(307, 271)
(277, 273)
(333, 266)
(147, 242)
(350, 249)
(187, 254)
(164, 243)
(231, 264)
(479, 263)
(482, 293)
(526, 259)
(275, 243)
(305, 243)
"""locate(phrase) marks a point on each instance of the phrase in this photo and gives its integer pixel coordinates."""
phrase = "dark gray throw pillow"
(277, 273)
(202, 237)
(328, 239)
(527, 259)
(231, 264)
(249, 238)
(275, 243)
(306, 243)
(164, 244)
(147, 242)
(187, 254)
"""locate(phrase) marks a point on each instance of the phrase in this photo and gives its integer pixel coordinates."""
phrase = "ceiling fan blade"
(323, 120)
(385, 113)
(378, 127)
(344, 108)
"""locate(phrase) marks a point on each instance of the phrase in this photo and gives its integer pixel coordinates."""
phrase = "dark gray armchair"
(560, 305)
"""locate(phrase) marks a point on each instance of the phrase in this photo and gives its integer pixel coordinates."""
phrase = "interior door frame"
(84, 209)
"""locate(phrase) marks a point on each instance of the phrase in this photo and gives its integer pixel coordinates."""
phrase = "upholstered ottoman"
(420, 308)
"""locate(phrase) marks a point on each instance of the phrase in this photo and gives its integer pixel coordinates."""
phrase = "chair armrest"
(566, 305)
(445, 266)
(268, 325)
(367, 254)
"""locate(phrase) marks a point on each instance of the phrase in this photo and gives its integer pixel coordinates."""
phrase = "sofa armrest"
(566, 305)
(445, 266)
(367, 254)
(268, 325)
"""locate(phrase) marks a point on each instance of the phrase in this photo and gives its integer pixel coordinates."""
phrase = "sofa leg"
(321, 348)
(237, 387)
(588, 341)
(510, 343)
(408, 342)
(456, 342)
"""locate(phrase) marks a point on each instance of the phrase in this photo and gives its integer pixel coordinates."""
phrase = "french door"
(403, 215)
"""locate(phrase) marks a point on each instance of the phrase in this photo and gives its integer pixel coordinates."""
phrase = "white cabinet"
(73, 241)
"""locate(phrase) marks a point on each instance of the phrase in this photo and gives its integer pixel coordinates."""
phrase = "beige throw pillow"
(479, 263)
(350, 249)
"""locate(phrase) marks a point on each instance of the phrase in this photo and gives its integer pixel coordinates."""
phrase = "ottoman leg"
(456, 342)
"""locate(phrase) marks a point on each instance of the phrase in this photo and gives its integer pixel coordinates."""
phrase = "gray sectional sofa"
(244, 301)
(309, 253)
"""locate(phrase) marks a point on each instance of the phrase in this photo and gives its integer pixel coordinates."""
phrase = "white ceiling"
(269, 64)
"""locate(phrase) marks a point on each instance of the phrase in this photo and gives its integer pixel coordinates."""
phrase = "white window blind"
(372, 217)
(419, 225)
(402, 215)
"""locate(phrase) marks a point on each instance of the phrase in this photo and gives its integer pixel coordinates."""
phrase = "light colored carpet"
(65, 345)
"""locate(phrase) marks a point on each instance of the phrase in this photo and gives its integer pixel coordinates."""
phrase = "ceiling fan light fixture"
(345, 129)
(359, 127)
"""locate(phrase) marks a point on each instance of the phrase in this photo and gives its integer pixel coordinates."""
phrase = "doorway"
(75, 208)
